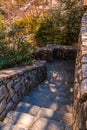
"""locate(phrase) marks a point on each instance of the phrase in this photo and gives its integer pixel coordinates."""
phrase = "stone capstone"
(52, 52)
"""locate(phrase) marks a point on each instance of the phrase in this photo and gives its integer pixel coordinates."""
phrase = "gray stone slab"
(66, 109)
(11, 127)
(68, 118)
(84, 70)
(2, 105)
(42, 101)
(68, 127)
(28, 108)
(50, 114)
(3, 91)
(84, 59)
(10, 84)
(15, 98)
(84, 90)
(44, 124)
(20, 119)
(56, 115)
(4, 126)
(9, 106)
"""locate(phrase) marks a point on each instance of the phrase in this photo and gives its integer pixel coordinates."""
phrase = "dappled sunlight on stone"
(57, 98)
(52, 85)
(71, 90)
(66, 109)
(46, 82)
(57, 76)
(44, 124)
(54, 106)
(20, 118)
(66, 83)
(53, 89)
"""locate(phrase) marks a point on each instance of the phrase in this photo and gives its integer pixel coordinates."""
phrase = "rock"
(15, 98)
(68, 127)
(10, 84)
(9, 106)
(50, 114)
(2, 105)
(3, 92)
(44, 124)
(4, 126)
(19, 119)
(28, 108)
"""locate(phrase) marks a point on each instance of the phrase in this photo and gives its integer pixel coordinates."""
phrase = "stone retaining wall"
(80, 88)
(54, 52)
(16, 82)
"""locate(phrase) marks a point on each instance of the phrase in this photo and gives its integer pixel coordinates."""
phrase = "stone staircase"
(48, 107)
(31, 117)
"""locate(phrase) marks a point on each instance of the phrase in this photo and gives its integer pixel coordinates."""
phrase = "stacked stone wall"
(56, 52)
(15, 83)
(80, 88)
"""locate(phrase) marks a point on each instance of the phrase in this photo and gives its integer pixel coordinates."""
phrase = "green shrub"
(62, 26)
(45, 33)
(27, 24)
(14, 57)
(14, 49)
(2, 27)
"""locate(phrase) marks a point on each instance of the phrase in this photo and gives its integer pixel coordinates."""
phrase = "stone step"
(27, 108)
(56, 115)
(40, 124)
(66, 109)
(47, 100)
(20, 119)
(34, 109)
(45, 124)
(4, 126)
(41, 101)
(44, 112)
